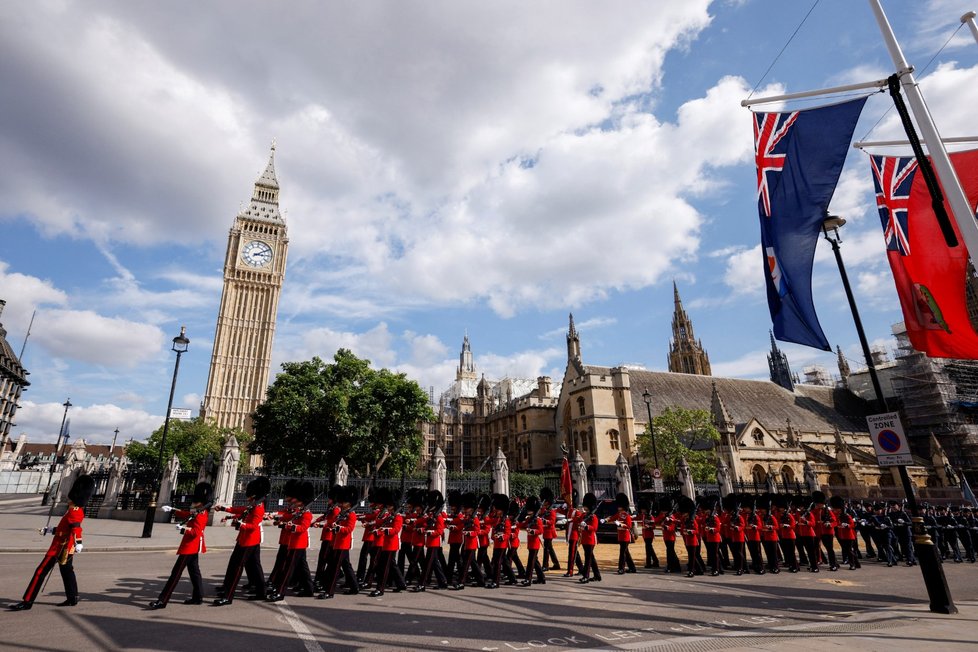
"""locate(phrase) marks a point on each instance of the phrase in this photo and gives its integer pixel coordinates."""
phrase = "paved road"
(876, 608)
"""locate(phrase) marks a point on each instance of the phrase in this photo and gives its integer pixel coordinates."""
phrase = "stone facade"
(254, 270)
(686, 353)
(13, 382)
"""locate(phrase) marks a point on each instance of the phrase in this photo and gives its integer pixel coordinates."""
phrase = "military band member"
(247, 548)
(296, 564)
(882, 535)
(623, 521)
(534, 528)
(343, 525)
(65, 544)
(587, 527)
(904, 536)
(431, 526)
(549, 517)
(646, 521)
(191, 526)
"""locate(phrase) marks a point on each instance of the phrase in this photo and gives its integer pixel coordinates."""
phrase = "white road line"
(299, 628)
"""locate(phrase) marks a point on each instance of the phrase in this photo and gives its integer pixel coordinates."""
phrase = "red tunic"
(589, 530)
(534, 528)
(298, 528)
(470, 537)
(825, 521)
(846, 528)
(343, 535)
(250, 532)
(648, 526)
(624, 522)
(769, 528)
(669, 525)
(68, 532)
(735, 527)
(787, 522)
(193, 533)
(691, 532)
(434, 527)
(327, 520)
(455, 534)
(484, 531)
(752, 527)
(712, 529)
(282, 517)
(805, 524)
(369, 521)
(500, 531)
(549, 519)
(392, 534)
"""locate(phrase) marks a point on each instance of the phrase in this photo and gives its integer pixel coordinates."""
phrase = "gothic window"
(431, 447)
(758, 474)
(758, 436)
(523, 418)
(613, 440)
(584, 443)
(580, 405)
(787, 475)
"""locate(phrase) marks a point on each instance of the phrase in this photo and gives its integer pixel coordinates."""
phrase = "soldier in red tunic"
(669, 523)
(500, 526)
(514, 540)
(623, 520)
(787, 532)
(587, 527)
(389, 529)
(296, 565)
(66, 544)
(471, 528)
(279, 518)
(191, 526)
(712, 534)
(339, 554)
(825, 523)
(690, 529)
(534, 528)
(453, 523)
(431, 526)
(247, 549)
(368, 541)
(549, 517)
(735, 532)
(769, 528)
(326, 522)
(845, 531)
(646, 521)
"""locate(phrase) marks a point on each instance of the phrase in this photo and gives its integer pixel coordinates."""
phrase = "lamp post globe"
(180, 345)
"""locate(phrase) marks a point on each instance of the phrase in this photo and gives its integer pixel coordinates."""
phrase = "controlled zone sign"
(889, 439)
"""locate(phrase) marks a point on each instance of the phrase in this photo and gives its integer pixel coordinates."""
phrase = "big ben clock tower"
(254, 268)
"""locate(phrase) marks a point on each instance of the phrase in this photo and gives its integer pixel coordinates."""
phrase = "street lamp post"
(648, 406)
(930, 564)
(114, 437)
(57, 452)
(180, 345)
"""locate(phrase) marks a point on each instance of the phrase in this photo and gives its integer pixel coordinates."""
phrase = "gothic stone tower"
(254, 268)
(686, 354)
(777, 363)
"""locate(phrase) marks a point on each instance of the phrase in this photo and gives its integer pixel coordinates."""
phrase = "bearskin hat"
(622, 502)
(454, 498)
(81, 492)
(500, 502)
(305, 493)
(546, 495)
(686, 505)
(532, 505)
(469, 500)
(666, 503)
(818, 497)
(258, 488)
(350, 494)
(514, 509)
(748, 501)
(485, 502)
(202, 492)
(590, 501)
(644, 505)
(335, 493)
(780, 501)
(729, 502)
(434, 500)
(381, 496)
(763, 501)
(414, 496)
(290, 488)
(799, 501)
(836, 502)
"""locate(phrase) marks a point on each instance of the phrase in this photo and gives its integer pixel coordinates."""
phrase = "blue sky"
(445, 167)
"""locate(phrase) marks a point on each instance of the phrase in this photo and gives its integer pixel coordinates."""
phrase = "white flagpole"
(960, 208)
(969, 18)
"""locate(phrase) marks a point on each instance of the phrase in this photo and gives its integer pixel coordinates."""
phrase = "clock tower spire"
(254, 269)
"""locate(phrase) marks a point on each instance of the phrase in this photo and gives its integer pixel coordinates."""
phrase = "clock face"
(256, 253)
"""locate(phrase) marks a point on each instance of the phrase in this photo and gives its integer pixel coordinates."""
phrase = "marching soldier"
(735, 531)
(500, 525)
(65, 544)
(825, 523)
(534, 527)
(882, 527)
(368, 541)
(787, 532)
(191, 547)
(296, 564)
(471, 529)
(339, 555)
(431, 526)
(752, 533)
(647, 523)
(278, 518)
(247, 548)
(389, 525)
(846, 532)
(623, 520)
(690, 530)
(453, 523)
(586, 523)
(514, 540)
(485, 535)
(904, 536)
(549, 517)
(326, 522)
(669, 523)
(711, 527)
(769, 534)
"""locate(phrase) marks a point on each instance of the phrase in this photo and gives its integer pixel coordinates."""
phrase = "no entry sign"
(889, 440)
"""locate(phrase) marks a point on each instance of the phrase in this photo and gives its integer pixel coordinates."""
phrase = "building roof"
(811, 408)
(42, 450)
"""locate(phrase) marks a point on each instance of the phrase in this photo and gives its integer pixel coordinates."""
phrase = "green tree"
(316, 413)
(680, 432)
(191, 441)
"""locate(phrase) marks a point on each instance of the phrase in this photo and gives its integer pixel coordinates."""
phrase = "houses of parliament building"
(766, 428)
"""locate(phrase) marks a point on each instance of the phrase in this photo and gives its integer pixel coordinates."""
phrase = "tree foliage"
(681, 432)
(192, 441)
(316, 413)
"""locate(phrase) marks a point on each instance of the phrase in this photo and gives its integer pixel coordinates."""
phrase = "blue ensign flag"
(799, 156)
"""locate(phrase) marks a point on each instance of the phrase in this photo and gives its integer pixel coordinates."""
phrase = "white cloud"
(86, 336)
(23, 295)
(745, 272)
(93, 423)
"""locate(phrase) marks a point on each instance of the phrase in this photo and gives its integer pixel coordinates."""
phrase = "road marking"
(299, 627)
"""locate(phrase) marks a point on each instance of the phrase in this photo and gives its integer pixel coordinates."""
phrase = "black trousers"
(453, 568)
(500, 564)
(367, 564)
(810, 546)
(42, 570)
(550, 556)
(672, 559)
(325, 548)
(651, 559)
(737, 552)
(829, 542)
(247, 559)
(432, 564)
(339, 560)
(470, 563)
(713, 557)
(756, 561)
(771, 552)
(884, 549)
(590, 563)
(388, 569)
(191, 563)
(802, 548)
(694, 561)
(788, 550)
(279, 566)
(849, 552)
(574, 558)
(514, 559)
(907, 552)
(296, 567)
(625, 557)
(533, 566)
(483, 559)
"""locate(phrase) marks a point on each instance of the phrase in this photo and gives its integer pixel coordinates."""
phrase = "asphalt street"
(645, 610)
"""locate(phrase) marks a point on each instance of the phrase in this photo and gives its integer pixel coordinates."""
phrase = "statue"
(723, 478)
(811, 480)
(685, 476)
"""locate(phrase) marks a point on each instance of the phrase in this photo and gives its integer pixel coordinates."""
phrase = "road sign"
(657, 486)
(180, 413)
(889, 439)
(657, 473)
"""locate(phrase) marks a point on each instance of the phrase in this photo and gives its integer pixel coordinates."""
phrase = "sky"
(446, 168)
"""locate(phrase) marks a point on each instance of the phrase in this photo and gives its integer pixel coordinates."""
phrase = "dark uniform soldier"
(247, 548)
(902, 530)
(882, 535)
(67, 542)
(970, 533)
(949, 526)
(193, 522)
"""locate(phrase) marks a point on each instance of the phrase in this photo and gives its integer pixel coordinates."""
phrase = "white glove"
(79, 547)
(180, 529)
(167, 508)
